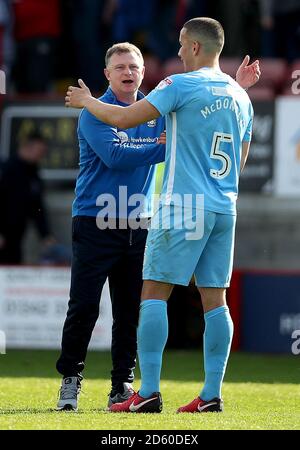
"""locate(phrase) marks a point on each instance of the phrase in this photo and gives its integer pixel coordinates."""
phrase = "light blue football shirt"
(208, 117)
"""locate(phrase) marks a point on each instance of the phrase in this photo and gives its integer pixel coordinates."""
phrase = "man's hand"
(77, 96)
(246, 75)
(162, 138)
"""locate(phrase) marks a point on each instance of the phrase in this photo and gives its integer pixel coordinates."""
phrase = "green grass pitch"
(261, 392)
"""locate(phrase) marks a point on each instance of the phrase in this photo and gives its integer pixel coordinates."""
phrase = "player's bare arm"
(141, 111)
(245, 153)
(122, 117)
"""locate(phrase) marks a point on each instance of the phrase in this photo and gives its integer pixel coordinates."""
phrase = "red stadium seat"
(288, 91)
(273, 72)
(171, 66)
(145, 88)
(153, 72)
(261, 93)
(230, 65)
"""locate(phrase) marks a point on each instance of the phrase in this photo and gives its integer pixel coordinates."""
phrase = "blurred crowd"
(44, 44)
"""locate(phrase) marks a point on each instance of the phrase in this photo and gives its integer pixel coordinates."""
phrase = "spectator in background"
(91, 31)
(280, 21)
(94, 26)
(189, 8)
(55, 255)
(162, 37)
(241, 19)
(21, 199)
(167, 17)
(37, 27)
(130, 21)
(6, 37)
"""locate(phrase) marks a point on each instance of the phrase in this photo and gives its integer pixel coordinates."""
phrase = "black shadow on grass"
(11, 411)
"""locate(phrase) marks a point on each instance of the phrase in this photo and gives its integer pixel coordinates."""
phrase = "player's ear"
(106, 73)
(196, 47)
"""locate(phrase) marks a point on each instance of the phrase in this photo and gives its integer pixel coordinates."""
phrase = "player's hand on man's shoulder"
(162, 138)
(248, 75)
(76, 97)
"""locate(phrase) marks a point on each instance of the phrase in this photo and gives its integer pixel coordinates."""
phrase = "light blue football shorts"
(181, 243)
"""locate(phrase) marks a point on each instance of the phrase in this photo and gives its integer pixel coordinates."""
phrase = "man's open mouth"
(127, 81)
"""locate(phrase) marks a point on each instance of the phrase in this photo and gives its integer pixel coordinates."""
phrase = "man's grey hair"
(122, 47)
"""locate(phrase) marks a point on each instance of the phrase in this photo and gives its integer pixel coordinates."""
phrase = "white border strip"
(171, 177)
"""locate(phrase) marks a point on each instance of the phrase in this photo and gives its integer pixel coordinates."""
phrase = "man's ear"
(106, 73)
(196, 47)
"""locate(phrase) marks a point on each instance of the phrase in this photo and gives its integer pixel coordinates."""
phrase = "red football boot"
(138, 404)
(198, 406)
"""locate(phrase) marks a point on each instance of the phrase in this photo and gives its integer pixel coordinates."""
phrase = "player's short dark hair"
(208, 31)
(122, 47)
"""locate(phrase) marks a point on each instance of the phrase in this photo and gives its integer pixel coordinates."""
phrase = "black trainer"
(120, 397)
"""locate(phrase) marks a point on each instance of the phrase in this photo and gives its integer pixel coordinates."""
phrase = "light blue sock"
(216, 347)
(152, 336)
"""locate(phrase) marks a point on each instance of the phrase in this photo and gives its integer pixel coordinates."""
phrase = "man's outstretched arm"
(141, 111)
(122, 117)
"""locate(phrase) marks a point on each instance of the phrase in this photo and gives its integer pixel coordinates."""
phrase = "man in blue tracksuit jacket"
(114, 166)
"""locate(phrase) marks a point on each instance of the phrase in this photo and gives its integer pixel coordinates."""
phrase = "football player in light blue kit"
(209, 121)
